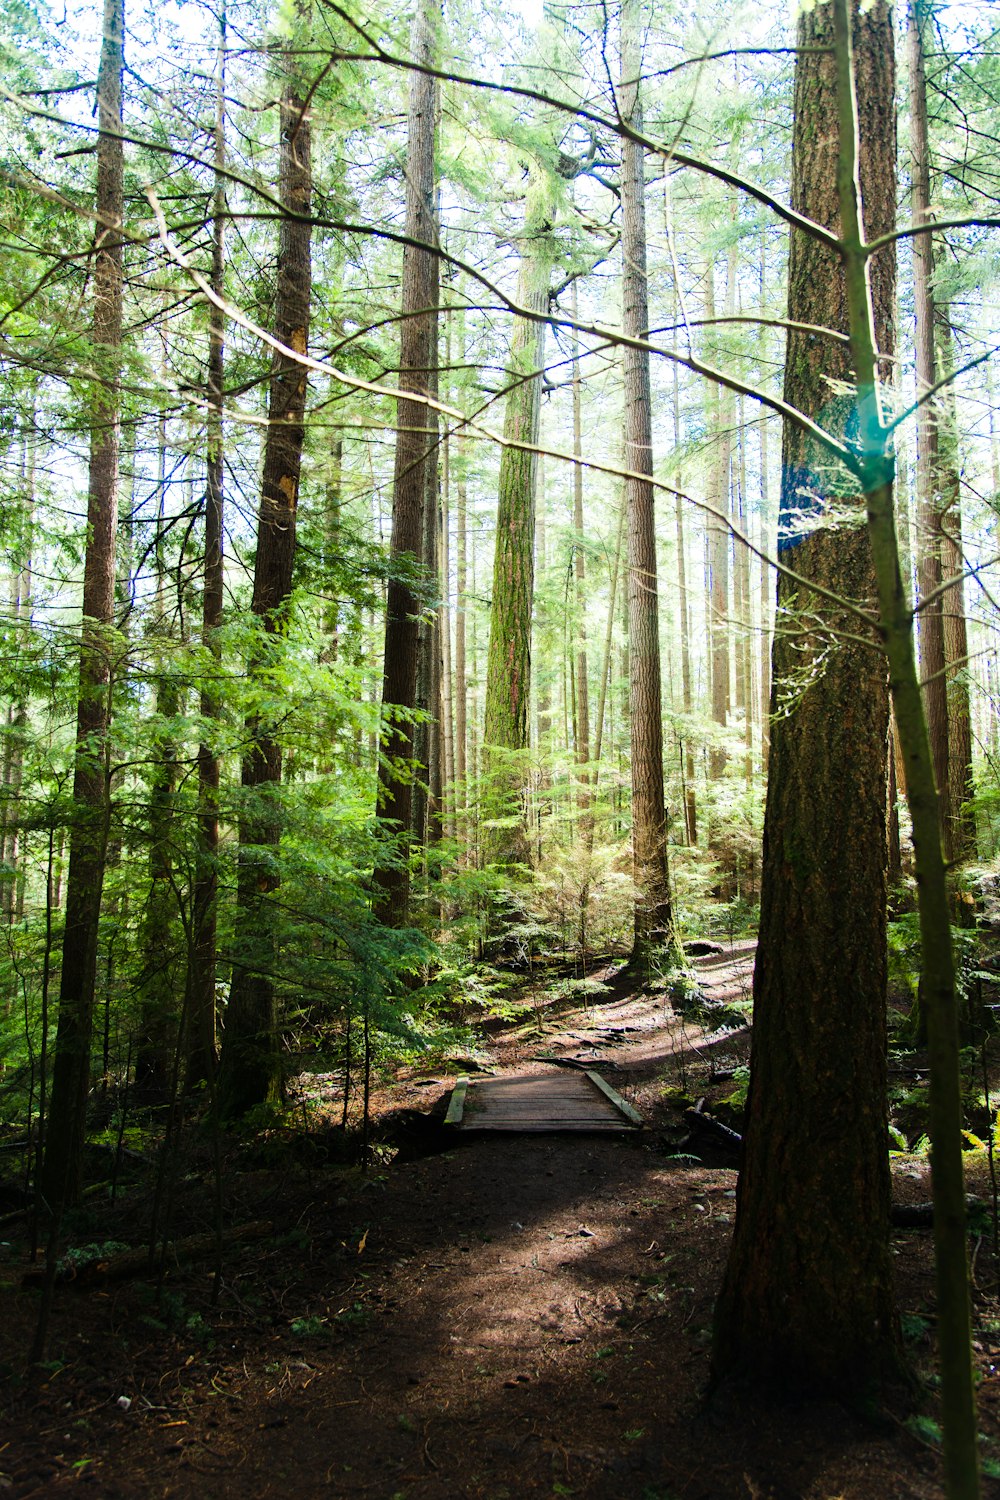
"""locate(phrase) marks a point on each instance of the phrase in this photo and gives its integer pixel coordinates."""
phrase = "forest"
(499, 577)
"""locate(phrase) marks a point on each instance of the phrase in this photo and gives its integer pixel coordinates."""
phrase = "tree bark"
(930, 602)
(653, 926)
(717, 495)
(960, 832)
(582, 741)
(249, 1065)
(414, 450)
(807, 1298)
(201, 1020)
(61, 1175)
(508, 663)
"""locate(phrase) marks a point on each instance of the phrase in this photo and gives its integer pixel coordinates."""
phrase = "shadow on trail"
(518, 1317)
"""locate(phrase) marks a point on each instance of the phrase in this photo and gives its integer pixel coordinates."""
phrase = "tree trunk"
(461, 608)
(508, 664)
(654, 926)
(159, 1011)
(766, 584)
(201, 1019)
(807, 1298)
(249, 1066)
(930, 603)
(12, 876)
(720, 414)
(960, 832)
(447, 675)
(684, 632)
(414, 454)
(582, 740)
(88, 838)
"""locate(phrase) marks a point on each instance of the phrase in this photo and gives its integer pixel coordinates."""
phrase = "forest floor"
(506, 1317)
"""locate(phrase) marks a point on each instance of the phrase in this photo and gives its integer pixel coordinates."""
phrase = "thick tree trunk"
(508, 665)
(201, 1020)
(88, 839)
(807, 1299)
(249, 1066)
(653, 915)
(414, 455)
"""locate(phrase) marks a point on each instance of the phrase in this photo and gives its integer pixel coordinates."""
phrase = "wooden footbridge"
(557, 1100)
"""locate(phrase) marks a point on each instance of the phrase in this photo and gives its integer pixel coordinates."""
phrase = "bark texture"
(807, 1298)
(66, 1125)
(653, 915)
(201, 1019)
(415, 434)
(929, 500)
(508, 662)
(249, 1066)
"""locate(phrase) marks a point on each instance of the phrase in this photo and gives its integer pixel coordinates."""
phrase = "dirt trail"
(512, 1317)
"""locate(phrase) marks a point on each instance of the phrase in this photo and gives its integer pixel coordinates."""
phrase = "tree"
(807, 1297)
(653, 914)
(249, 1063)
(415, 454)
(88, 838)
(508, 667)
(943, 638)
(929, 517)
(201, 1017)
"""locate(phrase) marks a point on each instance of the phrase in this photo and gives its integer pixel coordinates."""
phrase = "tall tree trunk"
(12, 877)
(745, 607)
(415, 447)
(159, 1011)
(932, 662)
(653, 915)
(88, 839)
(447, 675)
(807, 1298)
(960, 834)
(461, 612)
(249, 1065)
(720, 417)
(582, 740)
(508, 665)
(766, 584)
(684, 613)
(201, 1020)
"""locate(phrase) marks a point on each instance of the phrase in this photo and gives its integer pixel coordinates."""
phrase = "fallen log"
(125, 1263)
(708, 1125)
(921, 1215)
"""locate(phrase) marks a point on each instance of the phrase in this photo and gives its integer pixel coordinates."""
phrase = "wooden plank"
(558, 1101)
(456, 1106)
(616, 1099)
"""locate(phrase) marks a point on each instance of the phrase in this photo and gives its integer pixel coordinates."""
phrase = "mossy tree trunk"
(508, 665)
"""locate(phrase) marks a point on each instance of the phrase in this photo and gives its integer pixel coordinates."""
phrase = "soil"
(493, 1318)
